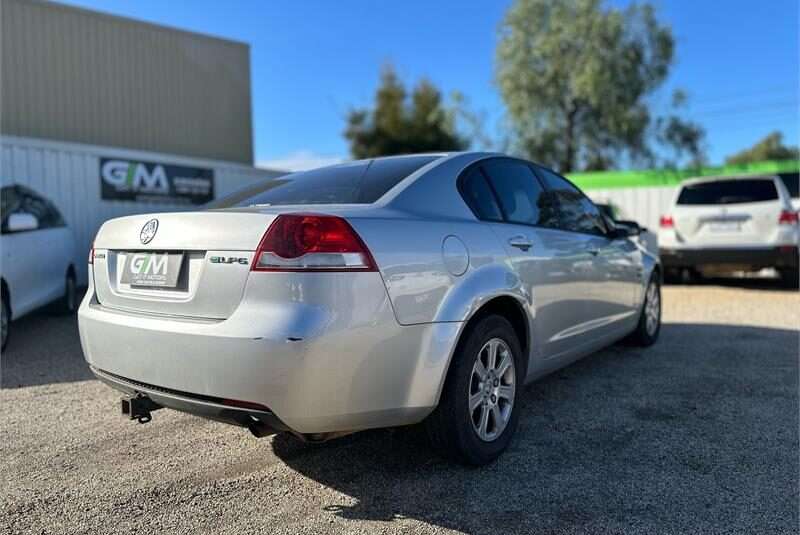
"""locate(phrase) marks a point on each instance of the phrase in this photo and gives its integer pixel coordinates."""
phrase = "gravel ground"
(698, 434)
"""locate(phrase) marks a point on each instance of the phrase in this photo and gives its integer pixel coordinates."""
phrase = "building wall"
(69, 176)
(75, 75)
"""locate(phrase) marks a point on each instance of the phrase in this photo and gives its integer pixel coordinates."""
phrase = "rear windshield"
(361, 182)
(792, 183)
(729, 192)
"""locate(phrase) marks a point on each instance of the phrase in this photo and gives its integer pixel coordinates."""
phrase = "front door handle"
(520, 242)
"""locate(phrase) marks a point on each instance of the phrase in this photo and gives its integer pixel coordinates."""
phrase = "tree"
(682, 136)
(397, 126)
(574, 76)
(769, 148)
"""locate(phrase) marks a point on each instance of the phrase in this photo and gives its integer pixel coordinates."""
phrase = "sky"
(313, 60)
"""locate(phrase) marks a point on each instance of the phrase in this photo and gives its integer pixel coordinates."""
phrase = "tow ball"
(139, 407)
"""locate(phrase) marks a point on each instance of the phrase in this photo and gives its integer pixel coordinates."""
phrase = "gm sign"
(128, 180)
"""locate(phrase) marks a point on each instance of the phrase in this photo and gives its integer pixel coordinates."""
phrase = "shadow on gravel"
(746, 283)
(43, 348)
(696, 434)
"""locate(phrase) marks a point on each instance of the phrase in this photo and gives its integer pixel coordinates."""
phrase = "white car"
(722, 225)
(37, 256)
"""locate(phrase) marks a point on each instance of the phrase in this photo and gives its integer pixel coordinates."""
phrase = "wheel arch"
(506, 304)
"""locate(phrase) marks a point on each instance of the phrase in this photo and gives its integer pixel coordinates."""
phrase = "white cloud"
(300, 160)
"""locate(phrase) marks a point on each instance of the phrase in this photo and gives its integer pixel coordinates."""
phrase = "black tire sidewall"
(643, 337)
(473, 450)
(65, 301)
(7, 314)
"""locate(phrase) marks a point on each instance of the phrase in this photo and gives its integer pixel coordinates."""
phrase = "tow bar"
(139, 407)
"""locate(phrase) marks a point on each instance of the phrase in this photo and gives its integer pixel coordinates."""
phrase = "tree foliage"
(769, 148)
(681, 136)
(574, 76)
(399, 124)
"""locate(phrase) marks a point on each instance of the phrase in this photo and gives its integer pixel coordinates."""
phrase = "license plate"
(152, 269)
(725, 226)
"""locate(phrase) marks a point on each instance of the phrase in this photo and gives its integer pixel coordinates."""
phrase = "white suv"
(722, 225)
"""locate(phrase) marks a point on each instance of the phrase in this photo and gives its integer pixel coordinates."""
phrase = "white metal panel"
(644, 205)
(68, 174)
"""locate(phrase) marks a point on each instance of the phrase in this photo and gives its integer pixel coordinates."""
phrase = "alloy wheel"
(492, 387)
(652, 309)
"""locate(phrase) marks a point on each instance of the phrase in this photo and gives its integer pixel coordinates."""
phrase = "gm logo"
(133, 176)
(149, 264)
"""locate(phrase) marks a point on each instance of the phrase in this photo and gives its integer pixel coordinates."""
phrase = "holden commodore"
(377, 293)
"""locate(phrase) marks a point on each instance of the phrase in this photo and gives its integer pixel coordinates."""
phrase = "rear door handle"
(520, 242)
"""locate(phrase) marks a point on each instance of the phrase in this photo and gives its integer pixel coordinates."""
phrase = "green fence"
(654, 178)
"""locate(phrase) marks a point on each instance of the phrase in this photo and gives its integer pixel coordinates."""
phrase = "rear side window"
(729, 192)
(792, 183)
(479, 196)
(522, 197)
(577, 212)
(361, 182)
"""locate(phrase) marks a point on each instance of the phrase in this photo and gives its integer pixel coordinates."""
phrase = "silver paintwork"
(331, 352)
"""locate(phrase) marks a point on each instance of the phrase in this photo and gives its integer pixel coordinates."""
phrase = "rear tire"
(649, 326)
(790, 278)
(477, 413)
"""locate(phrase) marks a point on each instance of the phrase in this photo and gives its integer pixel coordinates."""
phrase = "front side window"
(733, 191)
(577, 213)
(361, 182)
(521, 196)
(44, 211)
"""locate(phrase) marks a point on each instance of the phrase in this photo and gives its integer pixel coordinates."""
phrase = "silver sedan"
(384, 292)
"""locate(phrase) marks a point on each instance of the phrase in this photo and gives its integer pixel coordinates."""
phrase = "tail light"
(788, 217)
(666, 221)
(312, 242)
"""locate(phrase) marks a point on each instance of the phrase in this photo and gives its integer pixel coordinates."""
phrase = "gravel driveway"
(698, 434)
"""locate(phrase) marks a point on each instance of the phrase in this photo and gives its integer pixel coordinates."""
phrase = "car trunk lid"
(191, 264)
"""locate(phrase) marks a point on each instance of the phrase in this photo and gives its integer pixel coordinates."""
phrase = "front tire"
(69, 302)
(477, 413)
(649, 325)
(5, 322)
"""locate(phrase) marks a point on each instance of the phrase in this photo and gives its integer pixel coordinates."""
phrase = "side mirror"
(22, 221)
(625, 229)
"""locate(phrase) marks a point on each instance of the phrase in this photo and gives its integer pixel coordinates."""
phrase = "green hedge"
(653, 178)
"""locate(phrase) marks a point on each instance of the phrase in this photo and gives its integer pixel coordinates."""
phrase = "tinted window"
(522, 197)
(479, 195)
(361, 182)
(9, 203)
(44, 211)
(729, 192)
(792, 183)
(577, 213)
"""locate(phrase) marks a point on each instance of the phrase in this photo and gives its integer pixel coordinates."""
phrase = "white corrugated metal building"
(107, 116)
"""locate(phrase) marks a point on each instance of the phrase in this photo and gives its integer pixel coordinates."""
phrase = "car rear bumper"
(750, 258)
(315, 368)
